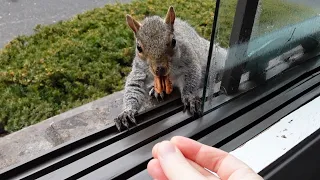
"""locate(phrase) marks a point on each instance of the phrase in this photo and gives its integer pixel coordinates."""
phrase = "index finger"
(218, 161)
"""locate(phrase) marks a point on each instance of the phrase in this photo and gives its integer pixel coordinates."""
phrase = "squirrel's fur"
(185, 62)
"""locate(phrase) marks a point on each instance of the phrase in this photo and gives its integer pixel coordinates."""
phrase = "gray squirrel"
(165, 47)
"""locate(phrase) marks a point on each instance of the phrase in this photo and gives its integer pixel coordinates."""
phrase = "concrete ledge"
(37, 139)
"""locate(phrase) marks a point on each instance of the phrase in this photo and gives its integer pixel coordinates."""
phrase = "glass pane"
(66, 79)
(284, 13)
(279, 42)
(281, 33)
(220, 49)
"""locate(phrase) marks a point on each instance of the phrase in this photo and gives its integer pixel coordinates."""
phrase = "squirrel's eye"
(139, 48)
(173, 42)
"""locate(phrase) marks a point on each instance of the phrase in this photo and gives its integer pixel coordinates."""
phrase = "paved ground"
(21, 16)
(312, 3)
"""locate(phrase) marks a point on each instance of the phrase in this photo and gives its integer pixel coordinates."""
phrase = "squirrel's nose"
(161, 71)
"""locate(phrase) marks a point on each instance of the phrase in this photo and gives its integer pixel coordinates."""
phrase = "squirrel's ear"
(133, 24)
(171, 16)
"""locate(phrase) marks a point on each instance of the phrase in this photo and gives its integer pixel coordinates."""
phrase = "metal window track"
(108, 154)
(229, 143)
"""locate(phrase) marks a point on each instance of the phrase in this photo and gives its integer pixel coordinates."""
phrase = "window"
(255, 42)
(262, 43)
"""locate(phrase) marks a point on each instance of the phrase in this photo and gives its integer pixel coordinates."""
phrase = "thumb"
(174, 165)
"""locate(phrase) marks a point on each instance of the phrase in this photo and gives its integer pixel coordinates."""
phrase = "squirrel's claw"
(132, 119)
(193, 102)
(122, 119)
(162, 95)
(151, 92)
(156, 95)
(198, 106)
(185, 104)
(125, 123)
(117, 122)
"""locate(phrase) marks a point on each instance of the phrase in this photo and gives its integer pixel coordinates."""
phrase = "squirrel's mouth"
(155, 73)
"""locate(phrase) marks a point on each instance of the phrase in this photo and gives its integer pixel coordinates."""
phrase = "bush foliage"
(73, 62)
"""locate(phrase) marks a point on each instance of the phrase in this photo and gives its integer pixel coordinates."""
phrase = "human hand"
(183, 159)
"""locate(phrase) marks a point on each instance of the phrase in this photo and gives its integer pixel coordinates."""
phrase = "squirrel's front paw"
(123, 119)
(193, 102)
(153, 93)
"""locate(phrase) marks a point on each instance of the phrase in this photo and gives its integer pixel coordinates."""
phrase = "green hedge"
(70, 63)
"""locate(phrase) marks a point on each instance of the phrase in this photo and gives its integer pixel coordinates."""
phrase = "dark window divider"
(240, 35)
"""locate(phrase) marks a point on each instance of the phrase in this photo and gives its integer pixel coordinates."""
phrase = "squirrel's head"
(155, 41)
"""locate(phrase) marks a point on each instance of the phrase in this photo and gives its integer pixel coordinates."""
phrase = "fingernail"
(166, 148)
